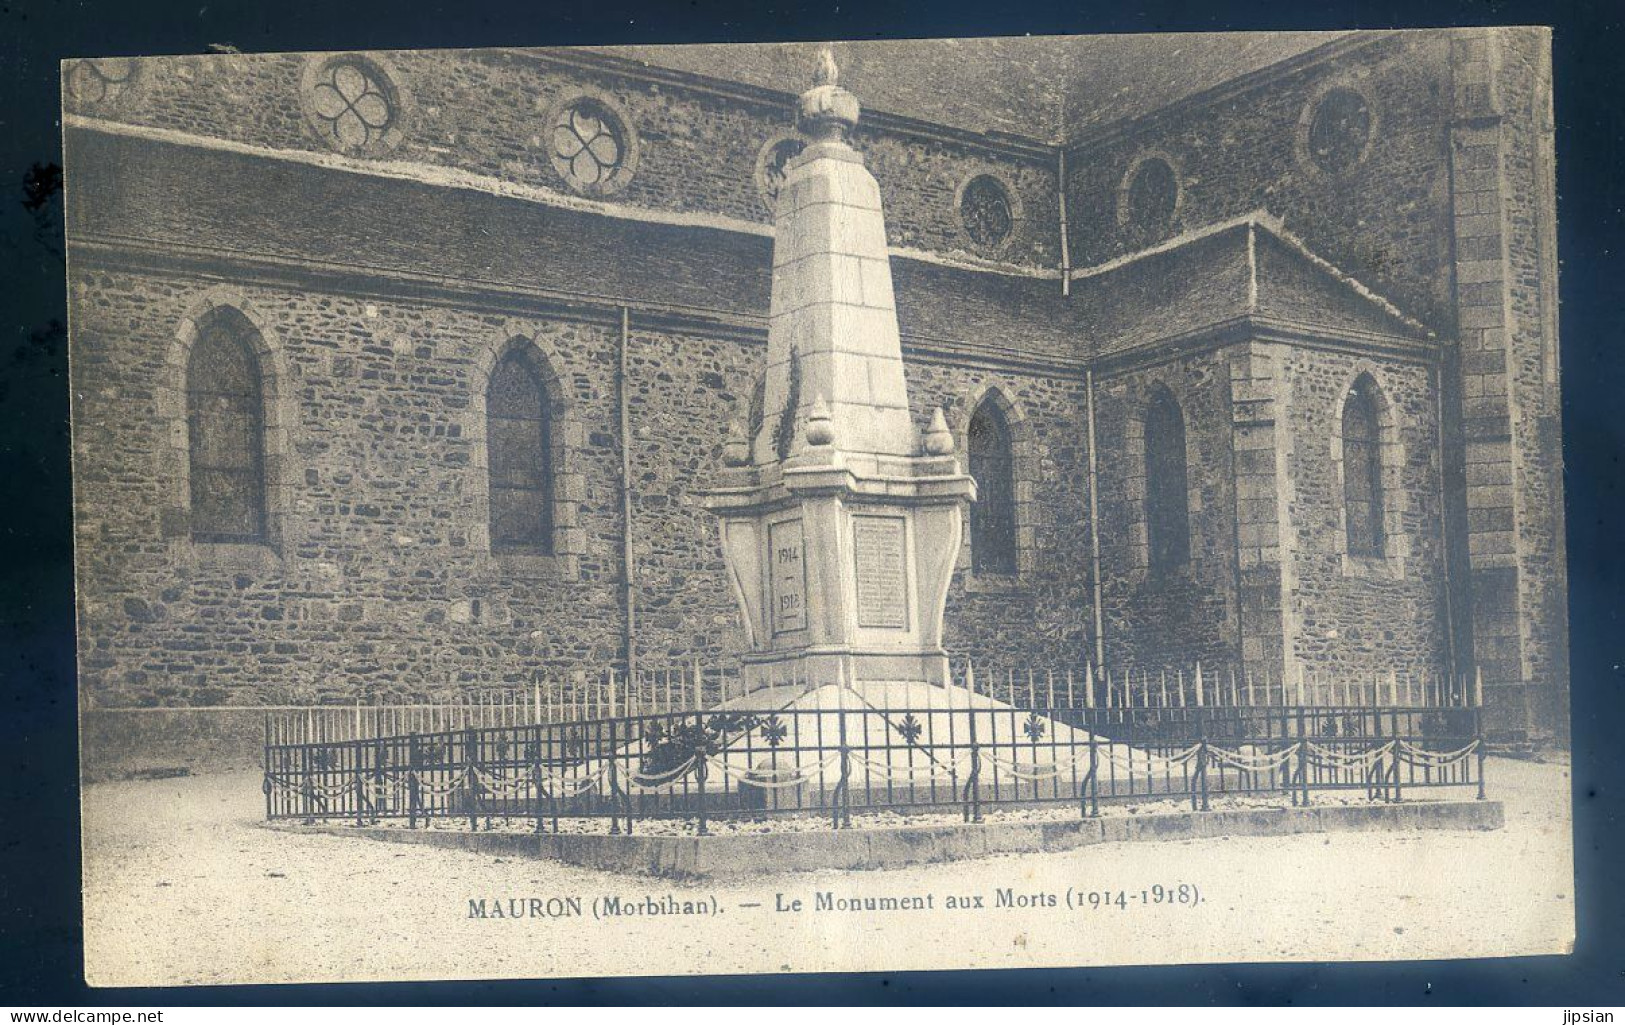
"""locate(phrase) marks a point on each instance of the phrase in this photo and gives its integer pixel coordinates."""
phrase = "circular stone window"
(353, 104)
(1149, 197)
(987, 212)
(97, 81)
(591, 146)
(1339, 130)
(770, 164)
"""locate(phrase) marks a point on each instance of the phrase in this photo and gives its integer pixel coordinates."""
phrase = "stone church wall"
(1386, 221)
(1350, 616)
(375, 589)
(1040, 616)
(1505, 449)
(1449, 213)
(1173, 619)
(486, 114)
(1335, 614)
(379, 586)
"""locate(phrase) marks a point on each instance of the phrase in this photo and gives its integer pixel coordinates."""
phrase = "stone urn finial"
(736, 450)
(826, 112)
(939, 441)
(820, 425)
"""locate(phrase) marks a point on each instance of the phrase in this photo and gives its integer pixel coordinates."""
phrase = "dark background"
(40, 950)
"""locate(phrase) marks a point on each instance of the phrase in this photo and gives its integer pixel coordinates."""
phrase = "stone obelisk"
(840, 524)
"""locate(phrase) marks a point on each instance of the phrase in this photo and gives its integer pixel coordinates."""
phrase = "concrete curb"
(739, 855)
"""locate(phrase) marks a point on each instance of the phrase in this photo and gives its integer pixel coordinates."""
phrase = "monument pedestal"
(841, 571)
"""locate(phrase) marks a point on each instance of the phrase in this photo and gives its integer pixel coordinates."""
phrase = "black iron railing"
(854, 758)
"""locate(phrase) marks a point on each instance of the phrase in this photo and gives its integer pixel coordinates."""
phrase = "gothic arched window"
(1167, 502)
(1362, 470)
(225, 423)
(993, 514)
(520, 453)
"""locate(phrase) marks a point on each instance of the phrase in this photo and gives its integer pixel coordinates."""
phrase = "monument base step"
(742, 855)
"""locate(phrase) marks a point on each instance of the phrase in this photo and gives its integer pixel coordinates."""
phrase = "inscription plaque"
(881, 563)
(788, 575)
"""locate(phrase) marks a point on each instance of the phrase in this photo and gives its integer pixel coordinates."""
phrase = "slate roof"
(1248, 273)
(1041, 88)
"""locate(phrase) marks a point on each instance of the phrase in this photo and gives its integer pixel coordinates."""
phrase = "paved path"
(183, 886)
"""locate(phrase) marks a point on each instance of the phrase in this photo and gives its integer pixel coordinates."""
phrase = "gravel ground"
(183, 886)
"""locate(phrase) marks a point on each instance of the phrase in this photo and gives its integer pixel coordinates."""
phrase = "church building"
(404, 374)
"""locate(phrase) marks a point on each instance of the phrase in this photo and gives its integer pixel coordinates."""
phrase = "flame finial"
(827, 72)
(827, 112)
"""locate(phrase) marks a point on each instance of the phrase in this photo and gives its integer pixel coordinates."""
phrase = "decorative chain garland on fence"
(376, 787)
(1148, 762)
(1253, 762)
(1330, 758)
(1434, 759)
(505, 785)
(568, 788)
(638, 783)
(798, 774)
(910, 772)
(1035, 772)
(443, 789)
(308, 787)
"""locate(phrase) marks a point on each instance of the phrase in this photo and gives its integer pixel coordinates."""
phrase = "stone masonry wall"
(1385, 221)
(1506, 286)
(379, 585)
(1533, 287)
(1040, 617)
(1157, 620)
(1451, 214)
(376, 589)
(1262, 488)
(486, 113)
(174, 198)
(1352, 617)
(1334, 614)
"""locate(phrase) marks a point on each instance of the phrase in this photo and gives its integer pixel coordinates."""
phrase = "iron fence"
(611, 693)
(845, 756)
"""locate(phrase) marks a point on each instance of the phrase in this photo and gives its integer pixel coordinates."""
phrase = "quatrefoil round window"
(591, 145)
(354, 104)
(1339, 130)
(988, 212)
(99, 81)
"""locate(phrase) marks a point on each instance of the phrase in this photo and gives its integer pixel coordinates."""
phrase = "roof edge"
(1254, 221)
(1109, 131)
